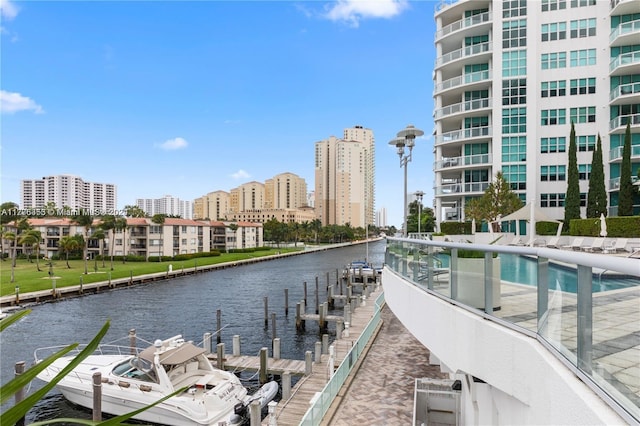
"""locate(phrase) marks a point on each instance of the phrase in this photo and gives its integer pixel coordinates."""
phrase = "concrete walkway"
(380, 391)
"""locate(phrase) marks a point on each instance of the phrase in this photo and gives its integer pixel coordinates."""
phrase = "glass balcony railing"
(459, 187)
(464, 52)
(624, 28)
(462, 107)
(622, 120)
(616, 153)
(624, 90)
(463, 80)
(464, 23)
(614, 183)
(466, 160)
(582, 307)
(459, 135)
(624, 59)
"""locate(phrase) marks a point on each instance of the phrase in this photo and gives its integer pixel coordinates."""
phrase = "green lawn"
(28, 278)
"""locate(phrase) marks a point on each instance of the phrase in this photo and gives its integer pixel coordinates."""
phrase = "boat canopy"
(173, 356)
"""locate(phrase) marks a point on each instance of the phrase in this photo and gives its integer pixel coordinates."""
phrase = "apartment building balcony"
(614, 184)
(138, 232)
(623, 7)
(619, 124)
(458, 187)
(625, 94)
(476, 21)
(624, 64)
(471, 81)
(470, 134)
(53, 232)
(462, 108)
(139, 246)
(467, 54)
(615, 155)
(625, 34)
(462, 161)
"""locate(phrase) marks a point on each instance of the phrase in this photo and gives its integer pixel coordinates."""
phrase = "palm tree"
(99, 235)
(67, 245)
(108, 225)
(121, 225)
(86, 221)
(234, 228)
(10, 236)
(316, 227)
(31, 238)
(159, 219)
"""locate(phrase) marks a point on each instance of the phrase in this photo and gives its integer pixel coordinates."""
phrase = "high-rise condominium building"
(68, 191)
(344, 178)
(247, 197)
(511, 76)
(214, 206)
(168, 205)
(381, 218)
(285, 191)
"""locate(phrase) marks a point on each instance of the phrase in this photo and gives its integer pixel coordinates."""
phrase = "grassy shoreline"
(29, 279)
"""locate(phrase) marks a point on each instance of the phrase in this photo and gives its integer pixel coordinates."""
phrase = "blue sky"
(185, 98)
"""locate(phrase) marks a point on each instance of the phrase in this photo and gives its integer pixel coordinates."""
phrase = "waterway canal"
(187, 306)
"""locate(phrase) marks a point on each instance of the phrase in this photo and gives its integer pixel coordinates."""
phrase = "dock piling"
(263, 365)
(308, 365)
(132, 341)
(218, 326)
(286, 302)
(97, 396)
(273, 325)
(304, 284)
(266, 310)
(19, 396)
(318, 353)
(317, 298)
(254, 413)
(206, 343)
(220, 355)
(276, 348)
(325, 344)
(236, 345)
(286, 385)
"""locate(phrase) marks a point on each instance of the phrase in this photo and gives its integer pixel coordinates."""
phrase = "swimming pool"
(524, 270)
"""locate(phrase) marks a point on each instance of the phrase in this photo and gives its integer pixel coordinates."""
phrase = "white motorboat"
(132, 381)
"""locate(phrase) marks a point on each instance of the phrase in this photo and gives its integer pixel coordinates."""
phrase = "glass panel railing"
(584, 306)
(463, 23)
(623, 120)
(624, 59)
(625, 28)
(462, 80)
(463, 53)
(624, 90)
(464, 160)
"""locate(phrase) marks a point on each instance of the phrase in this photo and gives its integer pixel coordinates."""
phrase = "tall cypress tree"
(597, 196)
(572, 198)
(625, 196)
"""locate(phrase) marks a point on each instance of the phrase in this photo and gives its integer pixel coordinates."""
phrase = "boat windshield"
(136, 368)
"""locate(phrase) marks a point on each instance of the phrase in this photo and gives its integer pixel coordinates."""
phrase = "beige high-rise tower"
(344, 178)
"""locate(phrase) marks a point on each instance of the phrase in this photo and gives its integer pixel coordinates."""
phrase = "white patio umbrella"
(603, 225)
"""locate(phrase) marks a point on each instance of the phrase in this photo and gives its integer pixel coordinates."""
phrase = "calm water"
(186, 306)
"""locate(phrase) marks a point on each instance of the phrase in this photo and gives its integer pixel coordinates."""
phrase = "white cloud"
(11, 102)
(353, 11)
(240, 174)
(8, 10)
(173, 144)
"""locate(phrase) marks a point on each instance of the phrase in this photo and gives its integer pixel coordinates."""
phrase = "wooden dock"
(292, 410)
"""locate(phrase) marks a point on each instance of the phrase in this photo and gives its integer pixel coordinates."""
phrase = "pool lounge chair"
(576, 244)
(553, 242)
(517, 241)
(619, 244)
(596, 245)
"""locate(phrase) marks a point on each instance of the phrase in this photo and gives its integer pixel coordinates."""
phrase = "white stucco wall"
(525, 383)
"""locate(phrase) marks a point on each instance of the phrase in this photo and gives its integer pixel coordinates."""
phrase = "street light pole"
(406, 137)
(419, 195)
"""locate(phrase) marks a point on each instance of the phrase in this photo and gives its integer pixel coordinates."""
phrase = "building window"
(550, 5)
(553, 88)
(582, 3)
(583, 114)
(582, 86)
(586, 143)
(554, 60)
(552, 200)
(583, 28)
(552, 117)
(513, 8)
(514, 33)
(548, 145)
(514, 91)
(514, 120)
(582, 58)
(553, 173)
(514, 149)
(516, 175)
(584, 171)
(554, 31)
(514, 63)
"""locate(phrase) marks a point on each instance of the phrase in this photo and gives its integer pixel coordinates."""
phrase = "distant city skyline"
(236, 91)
